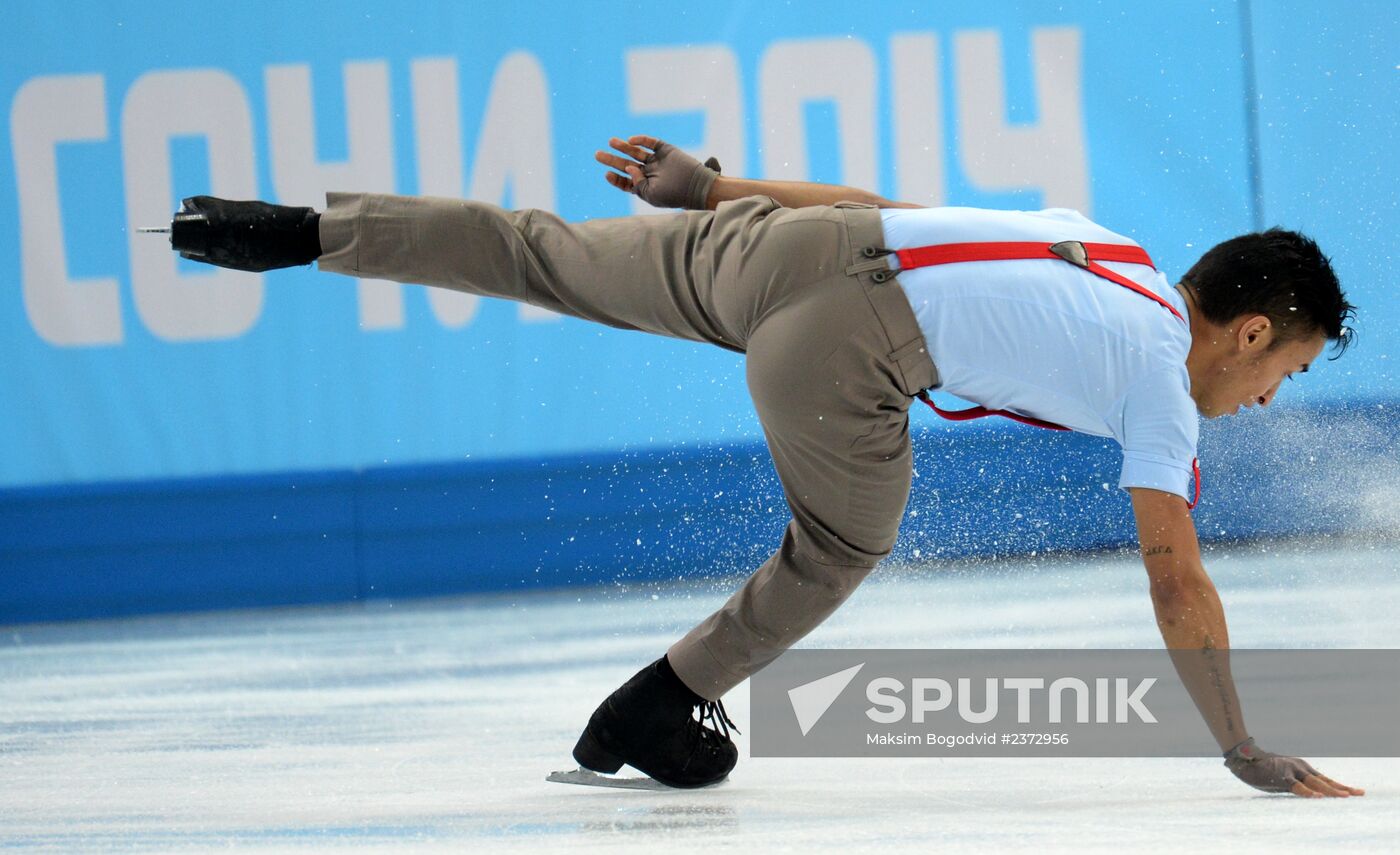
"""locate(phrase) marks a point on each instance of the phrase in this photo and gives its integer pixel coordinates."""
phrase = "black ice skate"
(252, 236)
(650, 724)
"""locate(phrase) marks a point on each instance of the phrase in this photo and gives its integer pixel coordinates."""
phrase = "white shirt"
(1048, 339)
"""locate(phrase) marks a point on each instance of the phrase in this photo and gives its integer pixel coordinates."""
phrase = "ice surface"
(431, 726)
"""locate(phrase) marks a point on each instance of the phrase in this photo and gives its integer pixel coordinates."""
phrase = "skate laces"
(713, 713)
(710, 732)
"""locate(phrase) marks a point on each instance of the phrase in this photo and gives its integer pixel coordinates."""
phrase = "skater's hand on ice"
(661, 174)
(1274, 773)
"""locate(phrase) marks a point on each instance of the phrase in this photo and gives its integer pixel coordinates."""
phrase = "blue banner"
(125, 364)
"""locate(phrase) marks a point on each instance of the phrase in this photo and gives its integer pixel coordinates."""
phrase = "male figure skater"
(849, 306)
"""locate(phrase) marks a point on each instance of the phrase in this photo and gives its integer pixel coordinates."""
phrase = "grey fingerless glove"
(673, 179)
(1262, 770)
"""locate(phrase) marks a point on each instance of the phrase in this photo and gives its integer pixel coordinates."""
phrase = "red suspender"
(1085, 255)
(1088, 256)
(971, 413)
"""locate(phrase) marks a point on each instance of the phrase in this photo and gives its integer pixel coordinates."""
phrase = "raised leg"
(646, 273)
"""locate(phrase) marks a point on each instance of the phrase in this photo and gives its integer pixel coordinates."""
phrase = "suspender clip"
(1072, 251)
(874, 256)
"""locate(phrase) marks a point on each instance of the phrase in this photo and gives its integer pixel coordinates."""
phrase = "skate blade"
(589, 778)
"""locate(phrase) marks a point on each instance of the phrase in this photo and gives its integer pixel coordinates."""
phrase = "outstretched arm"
(1192, 623)
(667, 177)
(1189, 614)
(795, 194)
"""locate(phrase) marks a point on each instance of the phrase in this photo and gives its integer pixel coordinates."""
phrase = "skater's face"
(1249, 366)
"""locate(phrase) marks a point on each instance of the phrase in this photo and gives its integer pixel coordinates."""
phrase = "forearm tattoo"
(1217, 678)
(1156, 550)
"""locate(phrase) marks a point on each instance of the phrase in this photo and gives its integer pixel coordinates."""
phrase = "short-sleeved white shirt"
(1047, 339)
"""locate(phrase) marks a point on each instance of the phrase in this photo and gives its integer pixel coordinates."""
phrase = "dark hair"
(1280, 274)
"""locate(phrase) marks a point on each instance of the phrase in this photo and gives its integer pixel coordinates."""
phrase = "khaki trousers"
(834, 359)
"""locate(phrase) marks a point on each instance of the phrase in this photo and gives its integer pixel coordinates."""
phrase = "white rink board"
(431, 726)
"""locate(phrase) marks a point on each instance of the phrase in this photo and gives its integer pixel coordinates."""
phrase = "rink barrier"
(114, 549)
